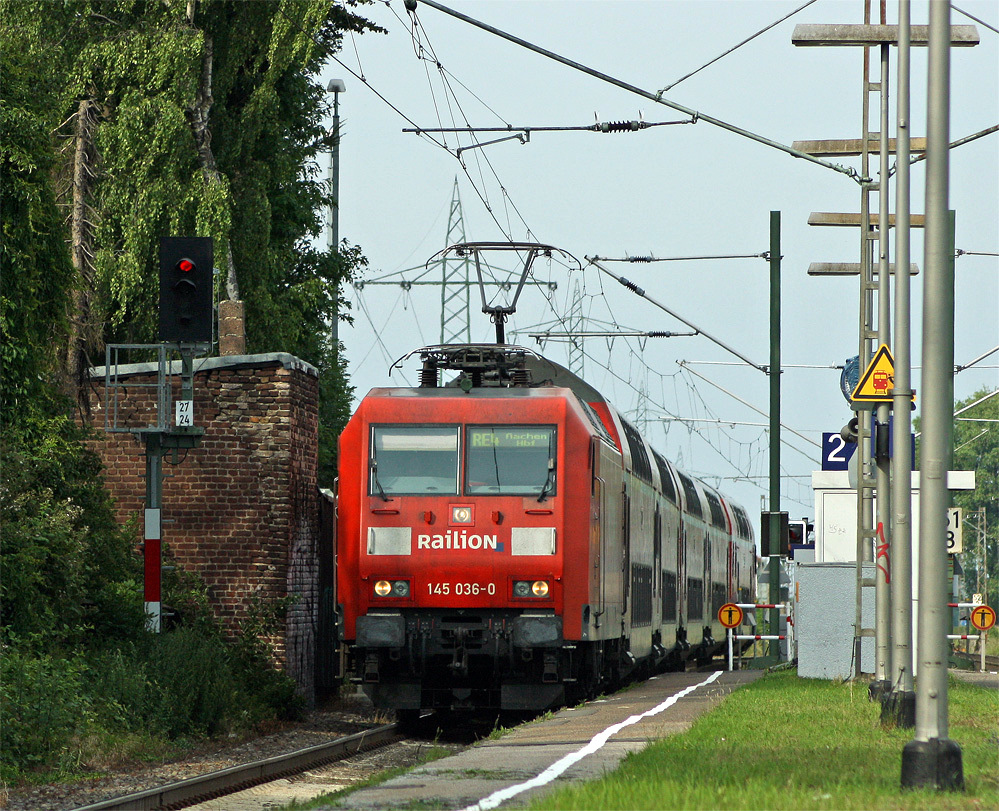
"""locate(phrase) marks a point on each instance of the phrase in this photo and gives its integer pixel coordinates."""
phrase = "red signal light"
(186, 265)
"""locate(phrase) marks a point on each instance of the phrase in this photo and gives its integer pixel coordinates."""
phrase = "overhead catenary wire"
(640, 292)
(644, 260)
(361, 78)
(976, 19)
(736, 47)
(633, 125)
(952, 145)
(683, 365)
(983, 356)
(411, 6)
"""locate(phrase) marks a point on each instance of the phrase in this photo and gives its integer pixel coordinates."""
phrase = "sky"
(678, 190)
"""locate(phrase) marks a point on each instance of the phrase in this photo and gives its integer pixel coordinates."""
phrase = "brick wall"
(241, 510)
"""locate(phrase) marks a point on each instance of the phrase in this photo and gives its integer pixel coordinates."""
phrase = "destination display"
(513, 438)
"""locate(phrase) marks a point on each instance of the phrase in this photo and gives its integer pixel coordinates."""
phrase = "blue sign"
(849, 378)
(836, 451)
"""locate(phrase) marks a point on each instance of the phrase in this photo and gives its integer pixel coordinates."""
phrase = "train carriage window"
(695, 598)
(595, 420)
(693, 498)
(669, 596)
(742, 521)
(667, 481)
(414, 459)
(639, 458)
(717, 513)
(510, 459)
(719, 596)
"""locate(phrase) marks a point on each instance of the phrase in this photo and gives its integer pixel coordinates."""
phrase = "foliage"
(34, 265)
(69, 571)
(212, 125)
(71, 580)
(44, 707)
(185, 684)
(976, 447)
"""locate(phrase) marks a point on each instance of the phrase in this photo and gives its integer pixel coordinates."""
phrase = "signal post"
(185, 324)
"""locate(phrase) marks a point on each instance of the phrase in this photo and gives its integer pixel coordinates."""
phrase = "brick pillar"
(241, 509)
(232, 328)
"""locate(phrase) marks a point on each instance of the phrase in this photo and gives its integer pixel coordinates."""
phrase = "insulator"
(428, 375)
(619, 126)
(520, 377)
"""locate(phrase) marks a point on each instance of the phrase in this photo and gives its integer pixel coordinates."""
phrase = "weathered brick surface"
(240, 510)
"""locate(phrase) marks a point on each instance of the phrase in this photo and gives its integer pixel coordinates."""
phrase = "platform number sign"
(836, 451)
(955, 530)
(184, 413)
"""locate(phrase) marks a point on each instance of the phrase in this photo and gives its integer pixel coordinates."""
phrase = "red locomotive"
(508, 541)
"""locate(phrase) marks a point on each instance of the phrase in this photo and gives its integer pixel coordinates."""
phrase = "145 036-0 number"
(462, 589)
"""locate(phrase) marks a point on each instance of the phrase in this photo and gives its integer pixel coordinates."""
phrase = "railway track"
(195, 790)
(974, 659)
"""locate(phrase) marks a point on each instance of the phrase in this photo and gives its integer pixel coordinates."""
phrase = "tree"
(121, 121)
(67, 566)
(976, 447)
(189, 118)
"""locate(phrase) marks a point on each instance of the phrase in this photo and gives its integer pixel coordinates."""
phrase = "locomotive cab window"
(510, 459)
(413, 459)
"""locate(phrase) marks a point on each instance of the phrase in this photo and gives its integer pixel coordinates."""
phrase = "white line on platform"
(596, 742)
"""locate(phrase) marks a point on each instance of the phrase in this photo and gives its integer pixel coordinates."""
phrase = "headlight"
(462, 515)
(530, 588)
(392, 588)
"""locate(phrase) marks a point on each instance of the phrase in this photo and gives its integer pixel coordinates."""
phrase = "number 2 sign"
(836, 451)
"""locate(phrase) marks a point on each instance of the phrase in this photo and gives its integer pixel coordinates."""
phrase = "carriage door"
(707, 590)
(681, 574)
(596, 535)
(626, 547)
(730, 572)
(657, 563)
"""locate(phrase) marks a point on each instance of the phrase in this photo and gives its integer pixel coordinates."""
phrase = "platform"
(576, 744)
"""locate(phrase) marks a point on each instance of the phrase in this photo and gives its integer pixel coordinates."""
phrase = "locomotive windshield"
(414, 459)
(515, 459)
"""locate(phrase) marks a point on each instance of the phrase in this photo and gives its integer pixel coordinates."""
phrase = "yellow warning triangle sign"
(877, 382)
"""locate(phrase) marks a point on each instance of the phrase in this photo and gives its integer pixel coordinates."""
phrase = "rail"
(216, 784)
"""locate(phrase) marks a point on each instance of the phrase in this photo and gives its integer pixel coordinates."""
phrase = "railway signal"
(186, 289)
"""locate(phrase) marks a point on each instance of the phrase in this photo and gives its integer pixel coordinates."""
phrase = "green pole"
(774, 370)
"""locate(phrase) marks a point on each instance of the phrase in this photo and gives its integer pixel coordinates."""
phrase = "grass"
(789, 743)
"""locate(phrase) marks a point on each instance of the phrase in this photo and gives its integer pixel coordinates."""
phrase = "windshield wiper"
(549, 482)
(378, 484)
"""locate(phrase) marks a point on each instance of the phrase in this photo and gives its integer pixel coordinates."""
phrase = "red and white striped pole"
(152, 535)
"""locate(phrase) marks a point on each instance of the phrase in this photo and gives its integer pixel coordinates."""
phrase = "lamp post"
(336, 87)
